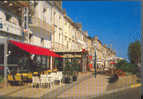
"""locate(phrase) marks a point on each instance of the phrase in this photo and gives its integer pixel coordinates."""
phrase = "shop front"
(22, 58)
(80, 57)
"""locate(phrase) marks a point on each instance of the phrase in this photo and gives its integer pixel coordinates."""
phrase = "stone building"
(40, 24)
(46, 24)
(11, 19)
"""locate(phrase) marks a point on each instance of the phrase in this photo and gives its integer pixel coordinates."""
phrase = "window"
(50, 36)
(30, 36)
(44, 60)
(44, 10)
(42, 41)
(59, 36)
(8, 17)
(48, 64)
(0, 22)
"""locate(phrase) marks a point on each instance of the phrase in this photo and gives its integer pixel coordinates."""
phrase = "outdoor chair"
(24, 77)
(29, 77)
(51, 78)
(18, 79)
(35, 81)
(44, 81)
(59, 77)
(10, 78)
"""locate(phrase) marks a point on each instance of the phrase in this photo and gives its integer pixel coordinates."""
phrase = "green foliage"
(126, 67)
(1, 78)
(75, 65)
(134, 52)
(68, 70)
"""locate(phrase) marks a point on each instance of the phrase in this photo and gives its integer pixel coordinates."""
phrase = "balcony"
(37, 25)
(58, 47)
(10, 28)
(14, 6)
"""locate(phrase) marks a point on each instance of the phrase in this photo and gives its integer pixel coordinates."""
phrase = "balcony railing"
(38, 23)
(11, 28)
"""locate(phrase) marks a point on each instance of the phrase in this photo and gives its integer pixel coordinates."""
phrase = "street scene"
(70, 50)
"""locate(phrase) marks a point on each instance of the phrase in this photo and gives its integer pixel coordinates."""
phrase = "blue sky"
(116, 23)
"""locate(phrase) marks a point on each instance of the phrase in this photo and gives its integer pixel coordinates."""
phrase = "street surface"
(131, 93)
(98, 86)
(90, 88)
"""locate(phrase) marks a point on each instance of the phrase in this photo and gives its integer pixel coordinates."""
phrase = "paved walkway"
(86, 86)
(97, 86)
(28, 92)
(92, 86)
(123, 82)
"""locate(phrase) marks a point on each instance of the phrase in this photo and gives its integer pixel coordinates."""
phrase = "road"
(131, 93)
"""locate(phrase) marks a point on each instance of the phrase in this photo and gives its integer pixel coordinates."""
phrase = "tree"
(134, 52)
(127, 67)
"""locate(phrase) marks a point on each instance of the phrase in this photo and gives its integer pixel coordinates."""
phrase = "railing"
(8, 27)
(36, 22)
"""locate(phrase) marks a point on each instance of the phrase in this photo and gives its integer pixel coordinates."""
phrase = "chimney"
(105, 45)
(79, 26)
(86, 33)
(64, 11)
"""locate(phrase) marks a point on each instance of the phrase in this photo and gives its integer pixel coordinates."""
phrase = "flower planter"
(67, 80)
(74, 78)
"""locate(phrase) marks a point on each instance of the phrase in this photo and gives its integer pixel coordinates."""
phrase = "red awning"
(32, 49)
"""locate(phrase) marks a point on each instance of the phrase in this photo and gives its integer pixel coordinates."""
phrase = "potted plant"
(75, 69)
(67, 72)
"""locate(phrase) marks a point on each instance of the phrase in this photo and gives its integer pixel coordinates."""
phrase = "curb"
(136, 85)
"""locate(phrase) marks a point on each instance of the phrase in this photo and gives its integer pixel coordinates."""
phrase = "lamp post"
(5, 61)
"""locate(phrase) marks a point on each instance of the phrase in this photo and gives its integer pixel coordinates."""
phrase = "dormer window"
(42, 39)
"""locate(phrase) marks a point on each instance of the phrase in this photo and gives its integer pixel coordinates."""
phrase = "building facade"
(11, 19)
(46, 24)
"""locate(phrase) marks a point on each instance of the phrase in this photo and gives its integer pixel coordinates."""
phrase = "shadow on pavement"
(122, 82)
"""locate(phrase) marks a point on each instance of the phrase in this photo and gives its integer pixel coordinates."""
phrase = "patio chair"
(29, 77)
(24, 77)
(35, 81)
(44, 80)
(18, 79)
(59, 77)
(51, 79)
(10, 78)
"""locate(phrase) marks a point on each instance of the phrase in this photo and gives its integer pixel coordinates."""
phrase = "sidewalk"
(27, 92)
(90, 87)
(86, 86)
(123, 82)
(97, 87)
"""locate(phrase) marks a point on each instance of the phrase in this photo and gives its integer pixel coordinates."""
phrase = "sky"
(116, 23)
